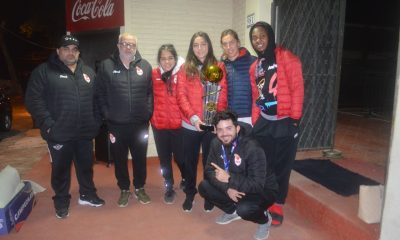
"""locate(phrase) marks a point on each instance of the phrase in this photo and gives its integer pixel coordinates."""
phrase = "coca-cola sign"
(84, 15)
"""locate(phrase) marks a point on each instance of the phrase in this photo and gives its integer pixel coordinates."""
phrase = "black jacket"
(125, 96)
(62, 101)
(248, 168)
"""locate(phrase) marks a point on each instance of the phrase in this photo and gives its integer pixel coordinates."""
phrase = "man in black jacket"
(237, 178)
(124, 94)
(60, 99)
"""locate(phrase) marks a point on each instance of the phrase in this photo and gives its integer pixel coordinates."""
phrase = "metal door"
(313, 30)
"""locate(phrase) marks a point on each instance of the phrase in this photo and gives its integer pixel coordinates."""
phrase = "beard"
(229, 140)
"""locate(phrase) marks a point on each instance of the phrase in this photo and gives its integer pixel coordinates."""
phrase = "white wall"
(390, 227)
(239, 20)
(156, 22)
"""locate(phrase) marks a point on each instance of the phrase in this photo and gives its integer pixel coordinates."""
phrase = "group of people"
(246, 159)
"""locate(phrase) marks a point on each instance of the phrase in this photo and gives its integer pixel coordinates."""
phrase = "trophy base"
(209, 128)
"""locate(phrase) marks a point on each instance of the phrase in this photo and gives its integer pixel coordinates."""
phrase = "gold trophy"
(212, 74)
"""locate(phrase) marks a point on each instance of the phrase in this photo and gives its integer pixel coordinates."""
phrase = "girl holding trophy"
(201, 93)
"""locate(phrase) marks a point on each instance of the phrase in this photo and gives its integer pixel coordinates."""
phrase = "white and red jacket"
(167, 114)
(190, 95)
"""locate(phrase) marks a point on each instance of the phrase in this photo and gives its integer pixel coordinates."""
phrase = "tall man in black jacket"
(60, 99)
(124, 94)
(237, 178)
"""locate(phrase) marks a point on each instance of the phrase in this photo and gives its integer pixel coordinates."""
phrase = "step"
(336, 214)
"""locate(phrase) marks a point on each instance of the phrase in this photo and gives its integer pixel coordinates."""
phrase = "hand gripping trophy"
(212, 74)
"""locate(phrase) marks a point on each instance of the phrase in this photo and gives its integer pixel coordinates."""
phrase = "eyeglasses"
(128, 45)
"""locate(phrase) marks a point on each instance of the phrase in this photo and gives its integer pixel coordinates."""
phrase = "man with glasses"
(124, 95)
(60, 99)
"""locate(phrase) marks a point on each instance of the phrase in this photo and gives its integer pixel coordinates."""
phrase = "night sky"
(30, 29)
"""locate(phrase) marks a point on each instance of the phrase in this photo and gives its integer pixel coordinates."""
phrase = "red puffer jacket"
(290, 91)
(190, 94)
(166, 113)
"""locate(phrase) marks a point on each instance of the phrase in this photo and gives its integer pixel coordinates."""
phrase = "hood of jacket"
(270, 50)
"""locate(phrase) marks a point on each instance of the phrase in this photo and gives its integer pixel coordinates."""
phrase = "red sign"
(84, 15)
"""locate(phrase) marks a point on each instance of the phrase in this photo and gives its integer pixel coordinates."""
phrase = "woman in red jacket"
(166, 120)
(278, 77)
(191, 88)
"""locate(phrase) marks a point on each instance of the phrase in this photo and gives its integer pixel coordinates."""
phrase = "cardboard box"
(14, 214)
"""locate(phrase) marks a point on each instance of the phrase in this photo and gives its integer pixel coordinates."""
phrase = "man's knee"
(202, 188)
(245, 211)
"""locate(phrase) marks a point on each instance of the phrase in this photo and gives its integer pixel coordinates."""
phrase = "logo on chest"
(139, 71)
(86, 77)
(237, 159)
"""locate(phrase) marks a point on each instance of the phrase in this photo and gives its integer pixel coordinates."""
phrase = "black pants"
(250, 208)
(192, 140)
(279, 140)
(62, 155)
(132, 137)
(169, 143)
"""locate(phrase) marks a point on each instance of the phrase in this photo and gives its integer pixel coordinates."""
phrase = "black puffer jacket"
(248, 168)
(124, 96)
(62, 101)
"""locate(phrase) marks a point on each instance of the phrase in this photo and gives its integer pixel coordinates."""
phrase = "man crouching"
(237, 178)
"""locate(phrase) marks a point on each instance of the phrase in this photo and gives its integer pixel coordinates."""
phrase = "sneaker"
(124, 198)
(276, 212)
(62, 213)
(91, 200)
(227, 218)
(169, 196)
(262, 232)
(208, 206)
(188, 204)
(141, 196)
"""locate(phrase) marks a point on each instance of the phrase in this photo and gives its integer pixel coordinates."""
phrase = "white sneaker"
(262, 232)
(227, 218)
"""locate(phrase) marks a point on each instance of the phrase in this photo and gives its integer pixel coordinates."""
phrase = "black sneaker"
(188, 204)
(91, 200)
(62, 213)
(208, 206)
(169, 196)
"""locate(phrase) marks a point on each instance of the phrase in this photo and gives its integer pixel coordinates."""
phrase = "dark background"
(369, 59)
(31, 29)
(31, 32)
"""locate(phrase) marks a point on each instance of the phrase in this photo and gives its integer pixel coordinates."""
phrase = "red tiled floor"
(152, 221)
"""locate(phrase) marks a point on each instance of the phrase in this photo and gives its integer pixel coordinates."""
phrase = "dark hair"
(167, 47)
(192, 62)
(166, 76)
(271, 38)
(231, 32)
(225, 115)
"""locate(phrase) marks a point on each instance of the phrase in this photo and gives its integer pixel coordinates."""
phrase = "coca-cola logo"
(92, 10)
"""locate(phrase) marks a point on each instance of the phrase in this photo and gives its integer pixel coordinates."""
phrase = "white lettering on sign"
(92, 10)
(23, 206)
